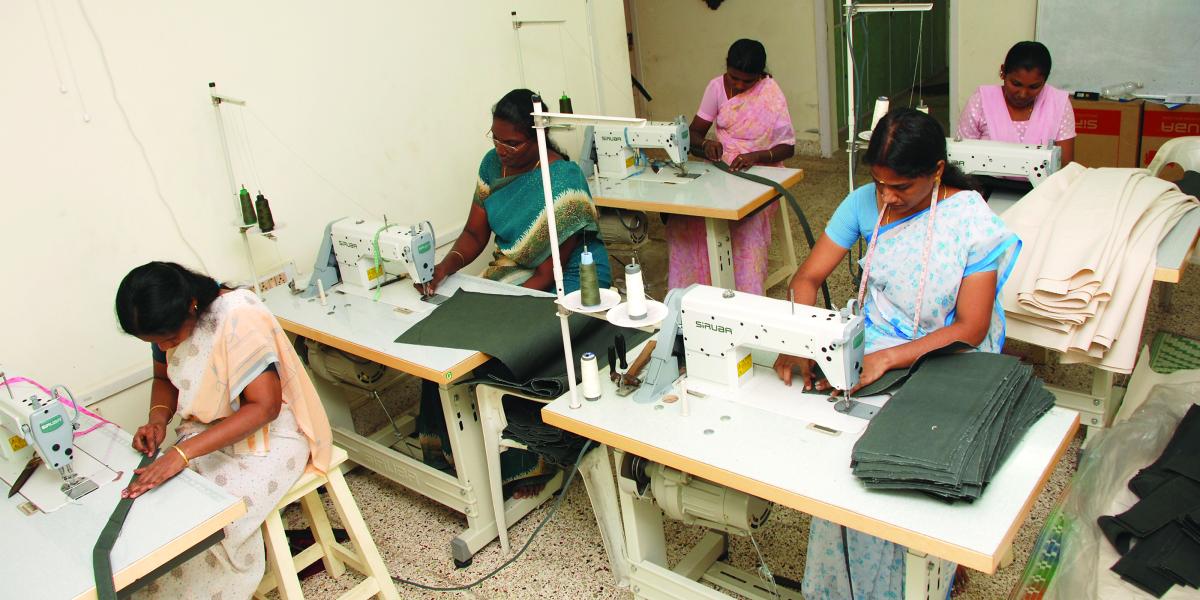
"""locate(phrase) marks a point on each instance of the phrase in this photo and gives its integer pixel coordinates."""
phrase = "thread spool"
(590, 371)
(923, 107)
(635, 291)
(564, 104)
(321, 291)
(881, 108)
(589, 281)
(247, 207)
(266, 222)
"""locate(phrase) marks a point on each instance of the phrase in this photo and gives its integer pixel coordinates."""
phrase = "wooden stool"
(282, 567)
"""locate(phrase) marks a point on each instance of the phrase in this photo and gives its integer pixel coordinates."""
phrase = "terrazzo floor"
(567, 559)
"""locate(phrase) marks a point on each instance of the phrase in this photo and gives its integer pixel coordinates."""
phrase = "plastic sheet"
(1111, 459)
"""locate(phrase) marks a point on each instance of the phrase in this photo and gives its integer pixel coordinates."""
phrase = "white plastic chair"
(1183, 151)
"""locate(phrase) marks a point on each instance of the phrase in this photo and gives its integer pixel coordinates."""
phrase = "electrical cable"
(791, 200)
(62, 86)
(138, 141)
(307, 164)
(562, 495)
(87, 117)
(763, 569)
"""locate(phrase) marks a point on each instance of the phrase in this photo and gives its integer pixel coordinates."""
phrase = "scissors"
(30, 468)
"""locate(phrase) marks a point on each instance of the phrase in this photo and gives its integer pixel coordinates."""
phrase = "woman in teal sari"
(509, 203)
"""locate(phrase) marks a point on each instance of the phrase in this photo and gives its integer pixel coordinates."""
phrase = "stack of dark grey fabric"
(952, 420)
(1163, 528)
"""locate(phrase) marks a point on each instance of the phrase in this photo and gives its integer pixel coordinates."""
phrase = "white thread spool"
(881, 108)
(321, 292)
(591, 376)
(923, 107)
(635, 291)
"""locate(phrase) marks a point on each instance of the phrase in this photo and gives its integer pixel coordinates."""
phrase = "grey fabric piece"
(522, 334)
(949, 426)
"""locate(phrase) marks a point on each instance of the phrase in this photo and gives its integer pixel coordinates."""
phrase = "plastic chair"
(282, 567)
(1182, 151)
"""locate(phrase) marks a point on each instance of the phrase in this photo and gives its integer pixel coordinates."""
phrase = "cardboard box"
(1107, 133)
(1160, 124)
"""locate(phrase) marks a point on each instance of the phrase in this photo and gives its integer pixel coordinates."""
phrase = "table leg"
(787, 249)
(597, 473)
(470, 464)
(926, 577)
(720, 252)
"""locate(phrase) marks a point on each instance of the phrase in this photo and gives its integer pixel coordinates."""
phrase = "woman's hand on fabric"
(713, 150)
(786, 365)
(875, 365)
(744, 161)
(149, 437)
(155, 474)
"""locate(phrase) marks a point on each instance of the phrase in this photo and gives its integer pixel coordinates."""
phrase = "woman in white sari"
(936, 260)
(251, 419)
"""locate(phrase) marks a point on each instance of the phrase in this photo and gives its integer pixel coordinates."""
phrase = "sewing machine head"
(618, 147)
(31, 422)
(721, 327)
(362, 253)
(1004, 159)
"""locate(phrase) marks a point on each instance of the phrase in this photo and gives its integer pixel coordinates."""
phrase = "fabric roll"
(1082, 284)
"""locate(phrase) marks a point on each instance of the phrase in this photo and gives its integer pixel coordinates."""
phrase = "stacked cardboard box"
(1108, 133)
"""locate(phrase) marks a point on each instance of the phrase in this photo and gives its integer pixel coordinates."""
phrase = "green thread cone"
(247, 207)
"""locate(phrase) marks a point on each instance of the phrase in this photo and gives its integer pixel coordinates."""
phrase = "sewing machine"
(1004, 159)
(30, 424)
(619, 148)
(361, 254)
(721, 327)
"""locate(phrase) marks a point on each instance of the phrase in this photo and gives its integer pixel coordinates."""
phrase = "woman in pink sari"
(753, 127)
(1023, 108)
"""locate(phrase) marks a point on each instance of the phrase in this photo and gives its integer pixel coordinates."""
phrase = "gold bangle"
(770, 155)
(163, 406)
(461, 258)
(186, 462)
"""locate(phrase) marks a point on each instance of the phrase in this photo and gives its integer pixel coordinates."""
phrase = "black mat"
(523, 336)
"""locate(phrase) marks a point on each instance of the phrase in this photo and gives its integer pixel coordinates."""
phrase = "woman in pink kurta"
(753, 127)
(1023, 108)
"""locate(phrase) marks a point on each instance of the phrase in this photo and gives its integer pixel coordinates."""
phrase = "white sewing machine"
(1005, 159)
(619, 148)
(721, 327)
(361, 254)
(32, 423)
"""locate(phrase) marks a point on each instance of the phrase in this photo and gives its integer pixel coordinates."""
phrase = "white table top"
(713, 194)
(757, 444)
(53, 557)
(366, 328)
(1173, 251)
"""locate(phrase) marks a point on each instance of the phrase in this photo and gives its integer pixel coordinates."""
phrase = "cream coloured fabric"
(1083, 281)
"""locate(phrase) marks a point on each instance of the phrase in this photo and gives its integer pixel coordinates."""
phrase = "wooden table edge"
(910, 539)
(175, 547)
(455, 373)
(692, 211)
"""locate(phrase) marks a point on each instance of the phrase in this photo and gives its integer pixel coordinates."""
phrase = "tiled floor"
(567, 560)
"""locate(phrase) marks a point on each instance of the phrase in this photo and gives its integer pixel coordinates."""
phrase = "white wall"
(364, 108)
(683, 46)
(981, 32)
